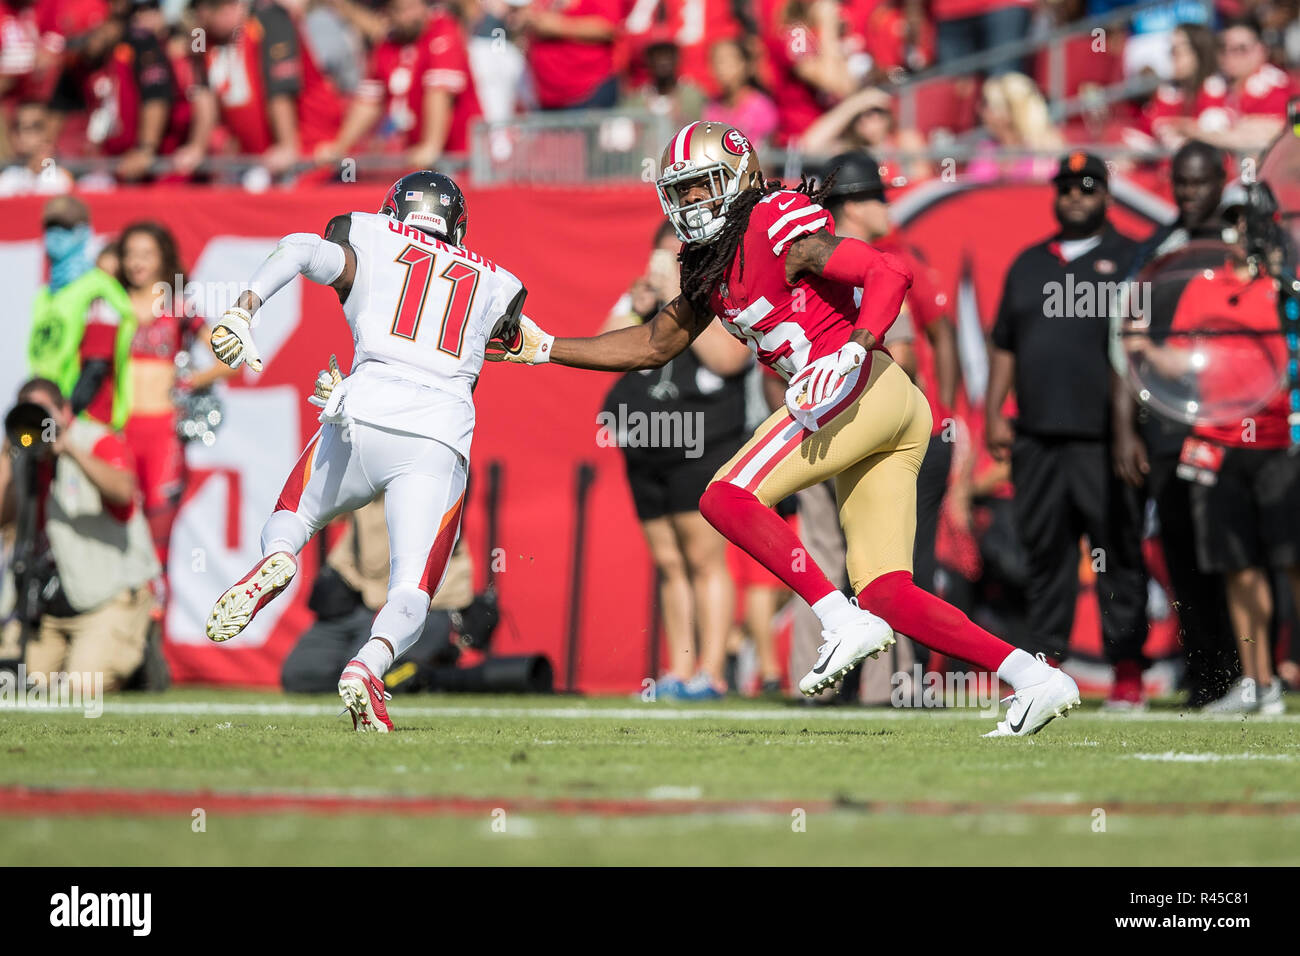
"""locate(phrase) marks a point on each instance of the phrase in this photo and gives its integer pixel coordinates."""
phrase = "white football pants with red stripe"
(424, 485)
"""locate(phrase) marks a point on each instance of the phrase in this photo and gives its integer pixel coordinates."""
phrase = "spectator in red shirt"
(194, 108)
(124, 79)
(28, 55)
(809, 71)
(272, 99)
(1255, 105)
(695, 26)
(419, 82)
(571, 52)
(1170, 115)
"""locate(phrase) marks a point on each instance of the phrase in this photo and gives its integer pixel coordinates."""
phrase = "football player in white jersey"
(422, 309)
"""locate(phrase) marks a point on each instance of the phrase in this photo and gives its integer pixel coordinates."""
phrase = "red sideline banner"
(577, 250)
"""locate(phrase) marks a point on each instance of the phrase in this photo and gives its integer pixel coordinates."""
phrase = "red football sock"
(931, 620)
(759, 531)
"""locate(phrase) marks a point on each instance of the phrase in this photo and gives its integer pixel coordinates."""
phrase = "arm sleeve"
(509, 321)
(302, 253)
(281, 53)
(788, 215)
(93, 375)
(153, 72)
(884, 279)
(112, 450)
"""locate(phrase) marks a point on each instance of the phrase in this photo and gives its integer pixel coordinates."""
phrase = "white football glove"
(325, 382)
(232, 339)
(530, 345)
(821, 384)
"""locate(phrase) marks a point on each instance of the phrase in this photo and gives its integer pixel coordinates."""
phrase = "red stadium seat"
(1082, 65)
(943, 103)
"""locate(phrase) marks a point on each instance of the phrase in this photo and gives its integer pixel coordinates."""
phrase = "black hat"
(1081, 165)
(857, 175)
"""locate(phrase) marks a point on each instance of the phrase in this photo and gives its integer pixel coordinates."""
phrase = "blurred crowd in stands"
(156, 87)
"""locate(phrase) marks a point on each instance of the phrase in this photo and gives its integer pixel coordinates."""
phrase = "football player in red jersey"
(419, 79)
(767, 261)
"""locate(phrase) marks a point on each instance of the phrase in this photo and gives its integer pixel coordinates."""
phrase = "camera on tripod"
(30, 430)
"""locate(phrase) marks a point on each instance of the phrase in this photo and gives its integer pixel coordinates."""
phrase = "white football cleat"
(240, 604)
(1035, 705)
(364, 695)
(845, 647)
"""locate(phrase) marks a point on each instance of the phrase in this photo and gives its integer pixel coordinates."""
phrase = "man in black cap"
(1051, 342)
(1146, 446)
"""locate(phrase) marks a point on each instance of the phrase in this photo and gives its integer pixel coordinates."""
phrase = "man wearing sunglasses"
(1050, 343)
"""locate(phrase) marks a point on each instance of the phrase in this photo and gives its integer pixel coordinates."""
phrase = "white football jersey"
(421, 312)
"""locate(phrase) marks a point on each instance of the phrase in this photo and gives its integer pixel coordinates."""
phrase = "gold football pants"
(872, 443)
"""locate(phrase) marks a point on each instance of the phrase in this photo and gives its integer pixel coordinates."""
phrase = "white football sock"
(376, 656)
(834, 610)
(284, 531)
(1022, 668)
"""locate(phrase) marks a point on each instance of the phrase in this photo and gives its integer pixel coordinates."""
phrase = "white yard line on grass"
(569, 712)
(1171, 756)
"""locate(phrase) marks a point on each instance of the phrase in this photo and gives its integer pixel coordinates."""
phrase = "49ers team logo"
(735, 143)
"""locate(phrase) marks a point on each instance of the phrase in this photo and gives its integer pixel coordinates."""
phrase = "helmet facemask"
(700, 221)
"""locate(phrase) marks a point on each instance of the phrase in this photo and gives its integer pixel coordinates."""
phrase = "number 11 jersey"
(421, 312)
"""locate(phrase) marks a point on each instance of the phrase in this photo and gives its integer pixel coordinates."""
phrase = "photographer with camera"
(1224, 359)
(83, 557)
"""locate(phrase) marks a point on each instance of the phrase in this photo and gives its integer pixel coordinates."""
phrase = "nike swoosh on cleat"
(818, 670)
(1015, 728)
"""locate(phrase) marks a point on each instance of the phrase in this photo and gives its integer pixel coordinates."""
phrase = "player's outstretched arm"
(330, 261)
(883, 278)
(651, 345)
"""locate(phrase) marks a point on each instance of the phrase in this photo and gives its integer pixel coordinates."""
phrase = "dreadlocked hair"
(703, 264)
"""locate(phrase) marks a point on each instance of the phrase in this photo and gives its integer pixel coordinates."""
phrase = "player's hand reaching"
(325, 383)
(528, 346)
(821, 383)
(232, 339)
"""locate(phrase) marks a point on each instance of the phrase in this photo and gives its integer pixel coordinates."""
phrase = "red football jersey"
(399, 74)
(1264, 93)
(566, 71)
(694, 25)
(268, 58)
(786, 326)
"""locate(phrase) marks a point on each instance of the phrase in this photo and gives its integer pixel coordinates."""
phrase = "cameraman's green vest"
(58, 323)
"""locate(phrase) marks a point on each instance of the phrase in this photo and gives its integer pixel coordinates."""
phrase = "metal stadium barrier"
(578, 146)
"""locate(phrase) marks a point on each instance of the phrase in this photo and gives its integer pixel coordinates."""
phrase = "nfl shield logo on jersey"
(445, 199)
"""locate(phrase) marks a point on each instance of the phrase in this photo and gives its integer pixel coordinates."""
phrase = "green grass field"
(474, 780)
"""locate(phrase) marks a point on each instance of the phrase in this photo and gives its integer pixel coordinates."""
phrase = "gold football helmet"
(714, 152)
